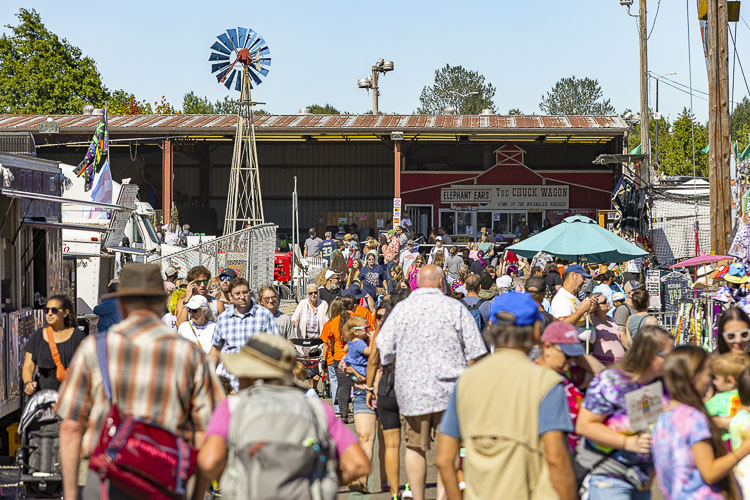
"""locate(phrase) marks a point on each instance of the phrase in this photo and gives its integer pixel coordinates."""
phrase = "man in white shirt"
(565, 305)
(438, 248)
(407, 256)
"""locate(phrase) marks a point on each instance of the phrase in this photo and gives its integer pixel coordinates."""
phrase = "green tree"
(454, 86)
(194, 105)
(573, 96)
(121, 102)
(41, 73)
(740, 117)
(317, 109)
(515, 111)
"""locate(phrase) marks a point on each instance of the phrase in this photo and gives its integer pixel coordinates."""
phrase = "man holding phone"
(198, 279)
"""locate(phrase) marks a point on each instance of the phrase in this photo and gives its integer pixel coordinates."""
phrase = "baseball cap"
(170, 271)
(736, 274)
(632, 285)
(438, 238)
(312, 230)
(347, 236)
(617, 296)
(228, 272)
(391, 231)
(521, 306)
(330, 274)
(196, 302)
(504, 281)
(564, 335)
(578, 269)
(535, 284)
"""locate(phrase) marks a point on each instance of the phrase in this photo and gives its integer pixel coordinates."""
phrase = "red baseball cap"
(566, 336)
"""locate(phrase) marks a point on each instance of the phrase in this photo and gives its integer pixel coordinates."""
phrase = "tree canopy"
(317, 109)
(41, 73)
(573, 96)
(454, 86)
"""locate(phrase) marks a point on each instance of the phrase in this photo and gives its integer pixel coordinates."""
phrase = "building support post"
(167, 180)
(397, 169)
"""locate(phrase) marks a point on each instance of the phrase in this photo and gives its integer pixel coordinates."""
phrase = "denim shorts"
(359, 403)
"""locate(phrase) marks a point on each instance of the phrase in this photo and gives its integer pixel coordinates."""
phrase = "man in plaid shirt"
(237, 324)
(155, 375)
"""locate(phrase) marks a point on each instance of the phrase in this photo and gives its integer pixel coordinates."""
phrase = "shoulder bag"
(138, 457)
(60, 371)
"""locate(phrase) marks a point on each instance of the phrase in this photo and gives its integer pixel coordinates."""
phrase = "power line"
(655, 17)
(739, 60)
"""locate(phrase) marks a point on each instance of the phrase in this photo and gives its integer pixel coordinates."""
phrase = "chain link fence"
(250, 252)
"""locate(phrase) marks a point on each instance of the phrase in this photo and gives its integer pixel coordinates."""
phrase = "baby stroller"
(39, 454)
(314, 362)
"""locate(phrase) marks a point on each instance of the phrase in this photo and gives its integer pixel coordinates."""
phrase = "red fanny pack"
(140, 458)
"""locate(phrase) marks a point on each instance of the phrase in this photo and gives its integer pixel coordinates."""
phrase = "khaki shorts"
(420, 430)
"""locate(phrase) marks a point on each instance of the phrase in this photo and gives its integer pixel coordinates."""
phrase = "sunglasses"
(379, 317)
(225, 278)
(269, 299)
(365, 328)
(312, 293)
(738, 336)
(53, 310)
(201, 282)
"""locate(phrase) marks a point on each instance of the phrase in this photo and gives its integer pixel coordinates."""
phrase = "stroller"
(314, 362)
(39, 454)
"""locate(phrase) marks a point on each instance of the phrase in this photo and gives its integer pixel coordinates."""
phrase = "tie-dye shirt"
(739, 428)
(606, 396)
(677, 430)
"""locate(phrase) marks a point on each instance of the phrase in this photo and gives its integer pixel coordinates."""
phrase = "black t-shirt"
(553, 279)
(38, 347)
(327, 295)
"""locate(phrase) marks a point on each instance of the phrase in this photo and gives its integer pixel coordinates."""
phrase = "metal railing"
(667, 320)
(249, 252)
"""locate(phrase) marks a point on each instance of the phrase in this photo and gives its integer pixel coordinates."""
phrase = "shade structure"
(580, 239)
(700, 260)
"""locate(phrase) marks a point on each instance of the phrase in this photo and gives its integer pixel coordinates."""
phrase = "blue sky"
(320, 49)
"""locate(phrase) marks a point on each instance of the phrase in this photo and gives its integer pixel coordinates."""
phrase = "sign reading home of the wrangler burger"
(509, 197)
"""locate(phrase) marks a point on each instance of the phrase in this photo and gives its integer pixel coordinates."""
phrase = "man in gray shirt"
(453, 263)
(312, 244)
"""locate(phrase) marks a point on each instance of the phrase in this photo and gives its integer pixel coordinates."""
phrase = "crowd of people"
(516, 370)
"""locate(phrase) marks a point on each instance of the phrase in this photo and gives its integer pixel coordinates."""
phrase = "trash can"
(14, 439)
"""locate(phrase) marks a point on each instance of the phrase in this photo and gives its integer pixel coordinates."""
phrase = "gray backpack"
(278, 447)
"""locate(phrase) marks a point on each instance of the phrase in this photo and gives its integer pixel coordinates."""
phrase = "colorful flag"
(97, 154)
(102, 192)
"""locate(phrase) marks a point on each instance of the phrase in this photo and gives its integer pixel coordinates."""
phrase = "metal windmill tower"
(246, 47)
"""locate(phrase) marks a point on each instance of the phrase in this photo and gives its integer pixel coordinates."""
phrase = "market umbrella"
(700, 260)
(579, 238)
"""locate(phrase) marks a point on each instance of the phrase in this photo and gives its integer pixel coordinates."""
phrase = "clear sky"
(320, 49)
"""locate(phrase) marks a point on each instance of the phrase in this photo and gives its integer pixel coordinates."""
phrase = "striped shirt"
(155, 374)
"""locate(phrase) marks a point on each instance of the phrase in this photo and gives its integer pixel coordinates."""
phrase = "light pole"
(371, 82)
(465, 97)
(656, 113)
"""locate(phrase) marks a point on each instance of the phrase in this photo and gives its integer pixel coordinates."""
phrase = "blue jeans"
(334, 386)
(607, 488)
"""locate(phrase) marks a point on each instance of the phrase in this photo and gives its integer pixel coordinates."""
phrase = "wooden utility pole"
(644, 170)
(718, 125)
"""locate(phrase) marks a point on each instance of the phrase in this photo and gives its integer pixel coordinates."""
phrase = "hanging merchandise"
(96, 156)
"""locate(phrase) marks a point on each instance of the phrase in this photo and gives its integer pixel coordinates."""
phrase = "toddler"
(739, 431)
(726, 369)
(356, 333)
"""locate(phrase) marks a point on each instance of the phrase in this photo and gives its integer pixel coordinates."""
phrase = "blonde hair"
(347, 333)
(439, 259)
(299, 371)
(397, 273)
(174, 297)
(730, 364)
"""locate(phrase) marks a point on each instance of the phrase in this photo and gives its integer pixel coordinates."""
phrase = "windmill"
(240, 58)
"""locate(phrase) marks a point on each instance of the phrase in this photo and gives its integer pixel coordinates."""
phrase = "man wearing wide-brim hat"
(269, 361)
(155, 375)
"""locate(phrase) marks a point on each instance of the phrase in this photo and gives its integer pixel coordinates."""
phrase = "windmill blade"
(258, 42)
(264, 51)
(254, 76)
(220, 48)
(226, 41)
(233, 36)
(219, 67)
(228, 83)
(238, 85)
(251, 35)
(243, 35)
(218, 57)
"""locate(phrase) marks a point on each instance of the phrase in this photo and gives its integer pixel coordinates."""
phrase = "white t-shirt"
(434, 252)
(170, 238)
(564, 304)
(201, 335)
(170, 320)
(407, 259)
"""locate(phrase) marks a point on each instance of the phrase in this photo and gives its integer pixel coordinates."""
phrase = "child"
(690, 458)
(726, 369)
(739, 430)
(356, 335)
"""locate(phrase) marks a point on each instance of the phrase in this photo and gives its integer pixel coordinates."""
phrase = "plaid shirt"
(233, 330)
(155, 374)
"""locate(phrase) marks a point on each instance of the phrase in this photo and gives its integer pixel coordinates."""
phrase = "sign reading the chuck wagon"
(509, 197)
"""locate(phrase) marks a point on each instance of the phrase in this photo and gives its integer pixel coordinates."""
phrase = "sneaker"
(407, 492)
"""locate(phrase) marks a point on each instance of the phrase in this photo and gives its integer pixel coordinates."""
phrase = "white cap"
(438, 238)
(504, 281)
(329, 274)
(196, 302)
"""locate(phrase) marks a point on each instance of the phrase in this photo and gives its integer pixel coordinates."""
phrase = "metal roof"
(325, 124)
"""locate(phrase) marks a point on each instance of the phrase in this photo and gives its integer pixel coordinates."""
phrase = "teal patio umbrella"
(579, 239)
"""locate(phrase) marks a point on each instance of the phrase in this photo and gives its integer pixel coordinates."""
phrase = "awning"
(12, 193)
(58, 225)
(134, 251)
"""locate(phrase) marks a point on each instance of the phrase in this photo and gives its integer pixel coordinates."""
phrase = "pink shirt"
(341, 435)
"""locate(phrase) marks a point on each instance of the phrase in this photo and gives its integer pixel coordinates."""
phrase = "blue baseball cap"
(521, 305)
(575, 268)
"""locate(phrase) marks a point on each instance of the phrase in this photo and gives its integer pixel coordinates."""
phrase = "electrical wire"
(692, 124)
(654, 23)
(739, 60)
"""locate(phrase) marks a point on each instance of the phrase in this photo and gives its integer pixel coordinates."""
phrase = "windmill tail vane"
(97, 154)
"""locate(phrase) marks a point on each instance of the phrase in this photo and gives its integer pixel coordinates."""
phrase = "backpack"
(474, 310)
(278, 446)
